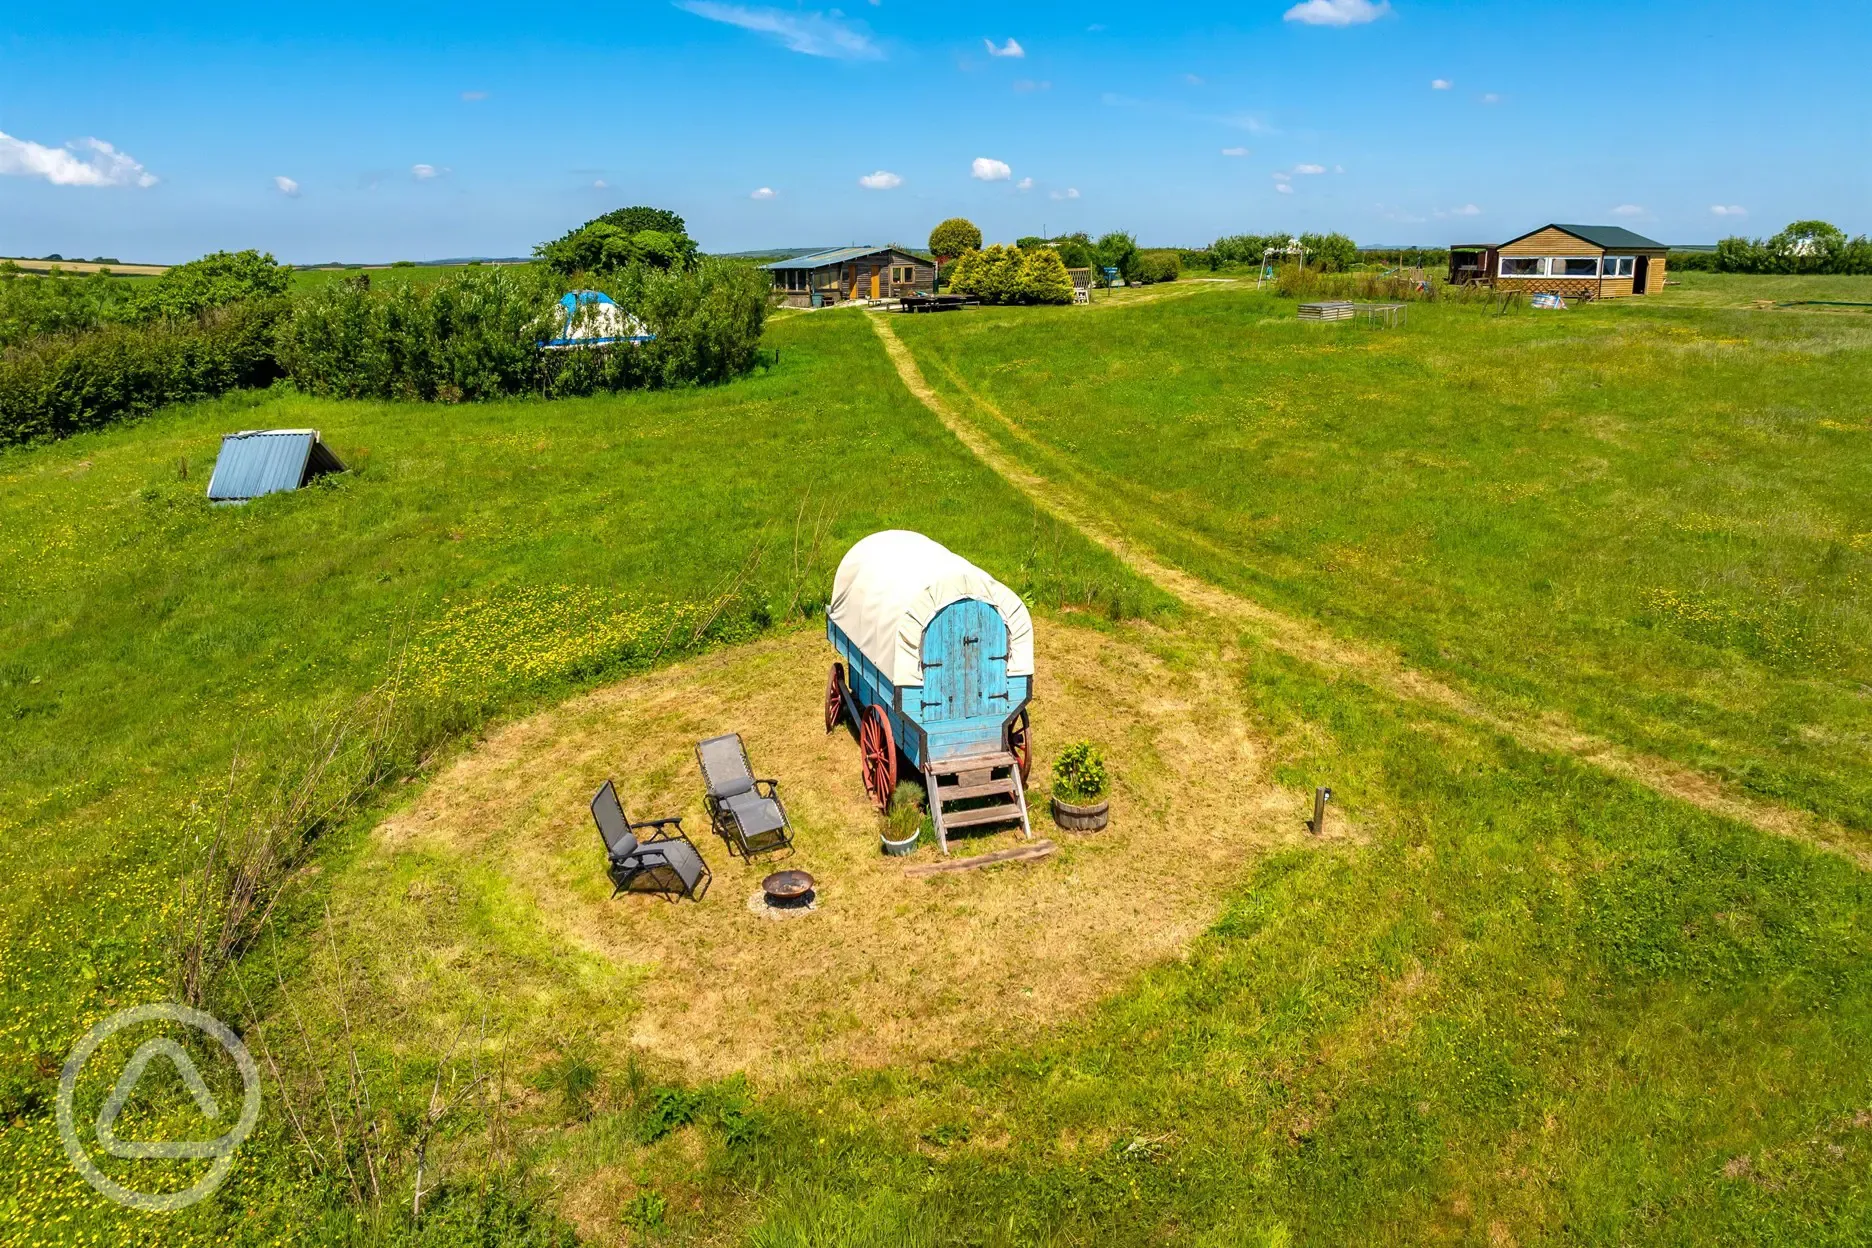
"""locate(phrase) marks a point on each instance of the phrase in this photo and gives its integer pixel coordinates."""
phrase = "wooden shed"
(1577, 261)
(824, 278)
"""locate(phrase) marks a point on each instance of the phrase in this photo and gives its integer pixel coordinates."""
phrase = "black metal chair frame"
(728, 826)
(644, 862)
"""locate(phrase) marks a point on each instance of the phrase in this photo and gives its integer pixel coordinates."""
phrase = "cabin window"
(1618, 266)
(1575, 266)
(903, 273)
(1524, 266)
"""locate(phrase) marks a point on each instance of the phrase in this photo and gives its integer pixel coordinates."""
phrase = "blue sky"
(374, 132)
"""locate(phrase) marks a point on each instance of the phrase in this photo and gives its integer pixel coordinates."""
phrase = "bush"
(954, 238)
(475, 335)
(1330, 253)
(1007, 275)
(1079, 774)
(1691, 261)
(34, 306)
(59, 386)
(214, 281)
(1158, 266)
(1802, 247)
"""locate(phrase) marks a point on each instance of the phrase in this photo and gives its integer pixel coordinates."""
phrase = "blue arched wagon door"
(965, 696)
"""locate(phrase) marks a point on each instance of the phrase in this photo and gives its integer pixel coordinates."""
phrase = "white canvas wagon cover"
(892, 584)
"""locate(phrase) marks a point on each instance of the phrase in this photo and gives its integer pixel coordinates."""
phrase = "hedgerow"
(53, 387)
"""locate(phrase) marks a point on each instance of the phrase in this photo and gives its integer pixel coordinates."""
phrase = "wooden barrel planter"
(1081, 818)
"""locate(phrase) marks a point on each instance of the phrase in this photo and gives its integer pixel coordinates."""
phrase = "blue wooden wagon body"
(967, 701)
(941, 675)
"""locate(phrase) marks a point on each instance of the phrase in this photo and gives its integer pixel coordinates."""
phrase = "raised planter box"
(1081, 818)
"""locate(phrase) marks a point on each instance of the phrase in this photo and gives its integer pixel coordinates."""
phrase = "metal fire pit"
(788, 890)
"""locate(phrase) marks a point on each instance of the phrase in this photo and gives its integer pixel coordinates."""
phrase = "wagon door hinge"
(971, 641)
(938, 702)
(1002, 696)
(927, 666)
(1001, 658)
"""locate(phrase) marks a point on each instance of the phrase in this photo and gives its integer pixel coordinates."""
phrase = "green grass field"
(1525, 1003)
(1645, 515)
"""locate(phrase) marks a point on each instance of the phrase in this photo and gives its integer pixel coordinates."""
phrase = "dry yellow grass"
(890, 969)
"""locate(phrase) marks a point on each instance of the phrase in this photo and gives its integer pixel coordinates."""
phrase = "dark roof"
(1611, 237)
(839, 255)
(266, 461)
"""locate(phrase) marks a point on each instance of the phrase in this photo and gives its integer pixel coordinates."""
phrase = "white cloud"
(1025, 184)
(474, 97)
(600, 184)
(1010, 48)
(765, 192)
(1441, 84)
(882, 180)
(1338, 12)
(1467, 210)
(1194, 80)
(1491, 98)
(1285, 188)
(982, 169)
(287, 187)
(813, 34)
(1071, 192)
(425, 173)
(1235, 151)
(1729, 210)
(1281, 175)
(1309, 169)
(1028, 84)
(1629, 210)
(87, 162)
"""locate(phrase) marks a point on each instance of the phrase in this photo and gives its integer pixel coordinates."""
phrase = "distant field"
(415, 274)
(82, 266)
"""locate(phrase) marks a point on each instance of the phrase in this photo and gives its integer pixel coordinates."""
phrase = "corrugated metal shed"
(839, 255)
(266, 461)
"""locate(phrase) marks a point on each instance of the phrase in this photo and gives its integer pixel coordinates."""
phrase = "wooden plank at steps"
(974, 762)
(989, 788)
(1020, 853)
(1006, 813)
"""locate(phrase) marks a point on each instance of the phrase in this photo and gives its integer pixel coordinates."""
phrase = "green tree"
(955, 237)
(214, 281)
(1329, 253)
(1043, 277)
(617, 240)
(1118, 250)
(1807, 247)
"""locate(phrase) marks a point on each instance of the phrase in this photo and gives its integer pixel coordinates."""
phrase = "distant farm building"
(843, 274)
(266, 461)
(1576, 261)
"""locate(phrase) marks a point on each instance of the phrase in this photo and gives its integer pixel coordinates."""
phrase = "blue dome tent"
(590, 318)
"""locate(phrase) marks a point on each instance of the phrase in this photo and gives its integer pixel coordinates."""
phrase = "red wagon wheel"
(1020, 743)
(879, 748)
(835, 697)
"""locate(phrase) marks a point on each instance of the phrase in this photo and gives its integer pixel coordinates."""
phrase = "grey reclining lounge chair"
(746, 812)
(663, 863)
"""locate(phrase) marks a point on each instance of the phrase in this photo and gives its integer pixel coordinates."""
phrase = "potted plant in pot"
(1079, 784)
(900, 829)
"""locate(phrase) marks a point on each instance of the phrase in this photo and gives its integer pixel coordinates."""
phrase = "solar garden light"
(1317, 823)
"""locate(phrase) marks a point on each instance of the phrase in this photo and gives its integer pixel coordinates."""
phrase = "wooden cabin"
(825, 278)
(1576, 261)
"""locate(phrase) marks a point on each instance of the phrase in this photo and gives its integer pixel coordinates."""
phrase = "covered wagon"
(937, 669)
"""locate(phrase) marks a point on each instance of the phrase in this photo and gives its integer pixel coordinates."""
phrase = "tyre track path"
(1548, 733)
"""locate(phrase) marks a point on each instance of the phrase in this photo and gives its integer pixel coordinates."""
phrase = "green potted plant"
(900, 830)
(1079, 784)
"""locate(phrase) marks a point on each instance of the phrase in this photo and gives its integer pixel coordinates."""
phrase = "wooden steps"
(992, 779)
